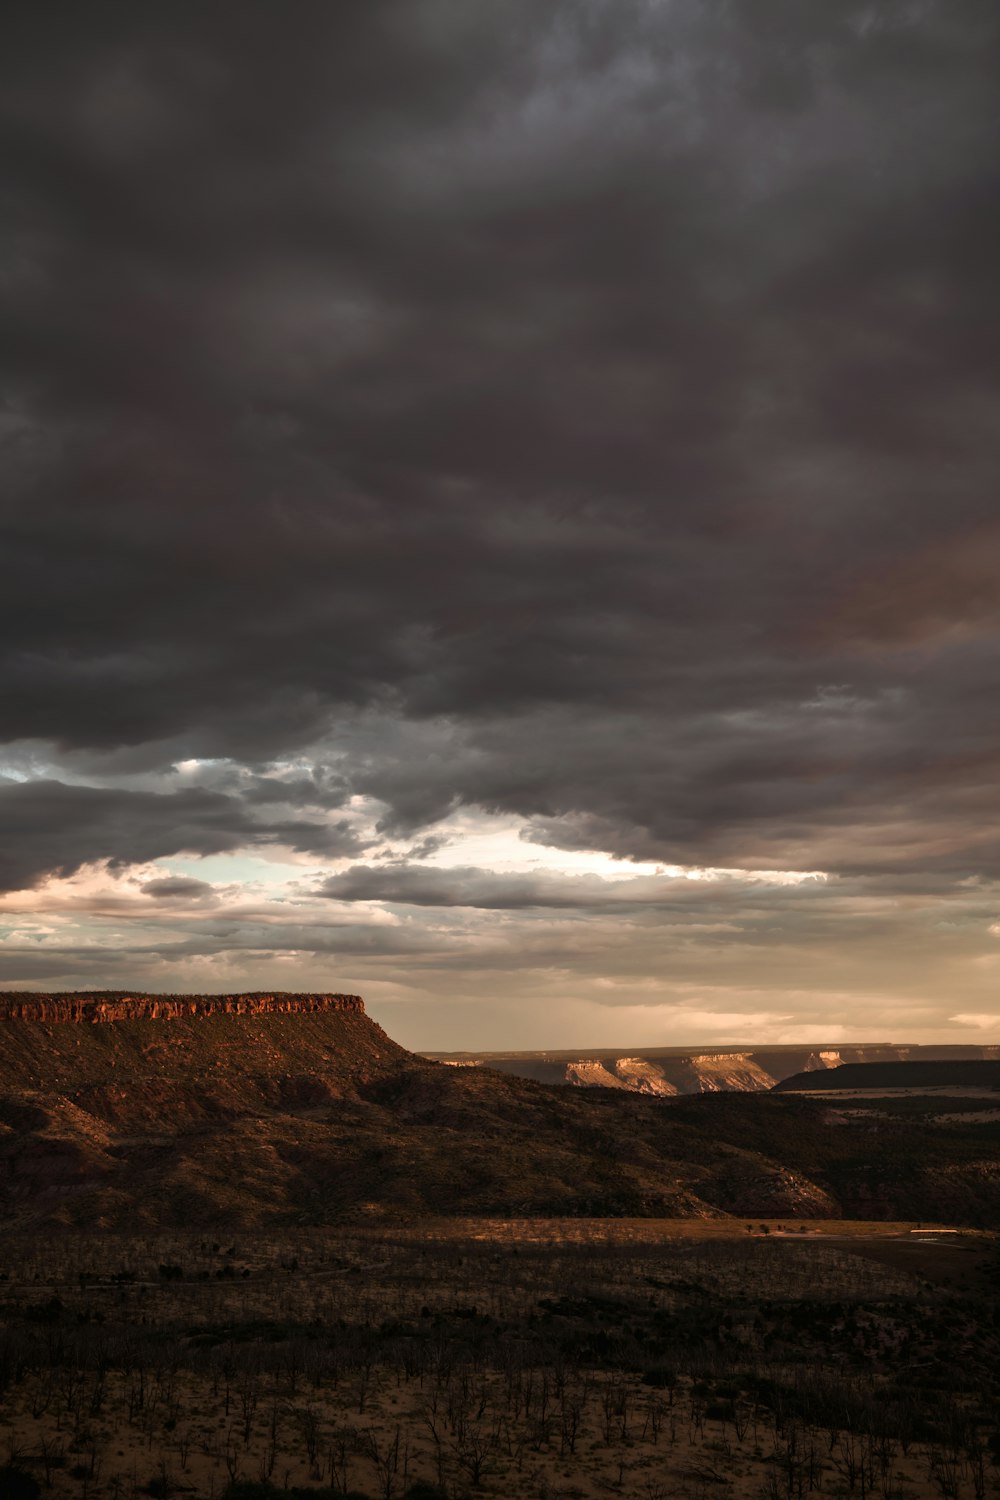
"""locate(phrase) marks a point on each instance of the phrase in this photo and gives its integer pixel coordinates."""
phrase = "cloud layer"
(584, 417)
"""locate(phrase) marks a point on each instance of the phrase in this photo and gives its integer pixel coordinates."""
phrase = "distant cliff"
(678, 1070)
(94, 1006)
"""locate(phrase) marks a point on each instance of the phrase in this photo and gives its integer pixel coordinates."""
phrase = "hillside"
(953, 1073)
(117, 1109)
(189, 1111)
(678, 1070)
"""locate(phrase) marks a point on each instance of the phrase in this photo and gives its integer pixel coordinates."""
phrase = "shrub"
(720, 1411)
(45, 1312)
(15, 1484)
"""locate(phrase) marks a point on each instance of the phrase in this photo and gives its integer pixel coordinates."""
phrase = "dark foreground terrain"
(255, 1249)
(501, 1358)
(275, 1110)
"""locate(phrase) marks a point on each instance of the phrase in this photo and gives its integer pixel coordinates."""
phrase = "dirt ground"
(489, 1358)
(594, 1436)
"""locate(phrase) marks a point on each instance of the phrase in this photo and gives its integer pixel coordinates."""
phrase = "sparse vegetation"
(613, 1327)
(637, 1358)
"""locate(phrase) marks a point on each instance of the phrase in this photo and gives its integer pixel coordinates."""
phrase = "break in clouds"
(500, 512)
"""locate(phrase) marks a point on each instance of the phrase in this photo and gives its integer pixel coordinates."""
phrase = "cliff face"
(718, 1072)
(702, 1072)
(128, 1058)
(674, 1070)
(90, 1007)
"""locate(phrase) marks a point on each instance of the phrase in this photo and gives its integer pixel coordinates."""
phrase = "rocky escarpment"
(643, 1076)
(704, 1072)
(94, 1006)
(133, 1058)
(717, 1072)
(674, 1070)
(664, 1072)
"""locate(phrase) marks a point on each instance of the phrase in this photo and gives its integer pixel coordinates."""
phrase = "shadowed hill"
(189, 1111)
(953, 1073)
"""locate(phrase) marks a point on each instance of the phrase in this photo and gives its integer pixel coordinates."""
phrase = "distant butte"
(95, 1006)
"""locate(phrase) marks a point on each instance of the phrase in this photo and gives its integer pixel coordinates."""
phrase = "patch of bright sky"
(494, 842)
(235, 869)
(486, 841)
(471, 837)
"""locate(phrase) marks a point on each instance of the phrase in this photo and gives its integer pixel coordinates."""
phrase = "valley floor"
(550, 1358)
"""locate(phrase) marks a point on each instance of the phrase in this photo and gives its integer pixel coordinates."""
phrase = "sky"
(500, 513)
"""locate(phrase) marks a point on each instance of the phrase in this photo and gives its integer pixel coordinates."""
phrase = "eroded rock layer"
(94, 1006)
(677, 1070)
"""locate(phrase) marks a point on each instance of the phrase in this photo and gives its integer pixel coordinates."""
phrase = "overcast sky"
(500, 512)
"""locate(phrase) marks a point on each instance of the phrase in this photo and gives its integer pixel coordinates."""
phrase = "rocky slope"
(132, 1112)
(673, 1070)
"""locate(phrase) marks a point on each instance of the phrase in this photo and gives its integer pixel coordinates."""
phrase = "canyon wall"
(94, 1006)
(674, 1070)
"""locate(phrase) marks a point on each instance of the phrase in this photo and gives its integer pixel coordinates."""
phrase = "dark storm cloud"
(421, 885)
(24, 968)
(611, 388)
(178, 888)
(48, 826)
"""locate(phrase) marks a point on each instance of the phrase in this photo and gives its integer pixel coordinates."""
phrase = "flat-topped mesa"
(94, 1006)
